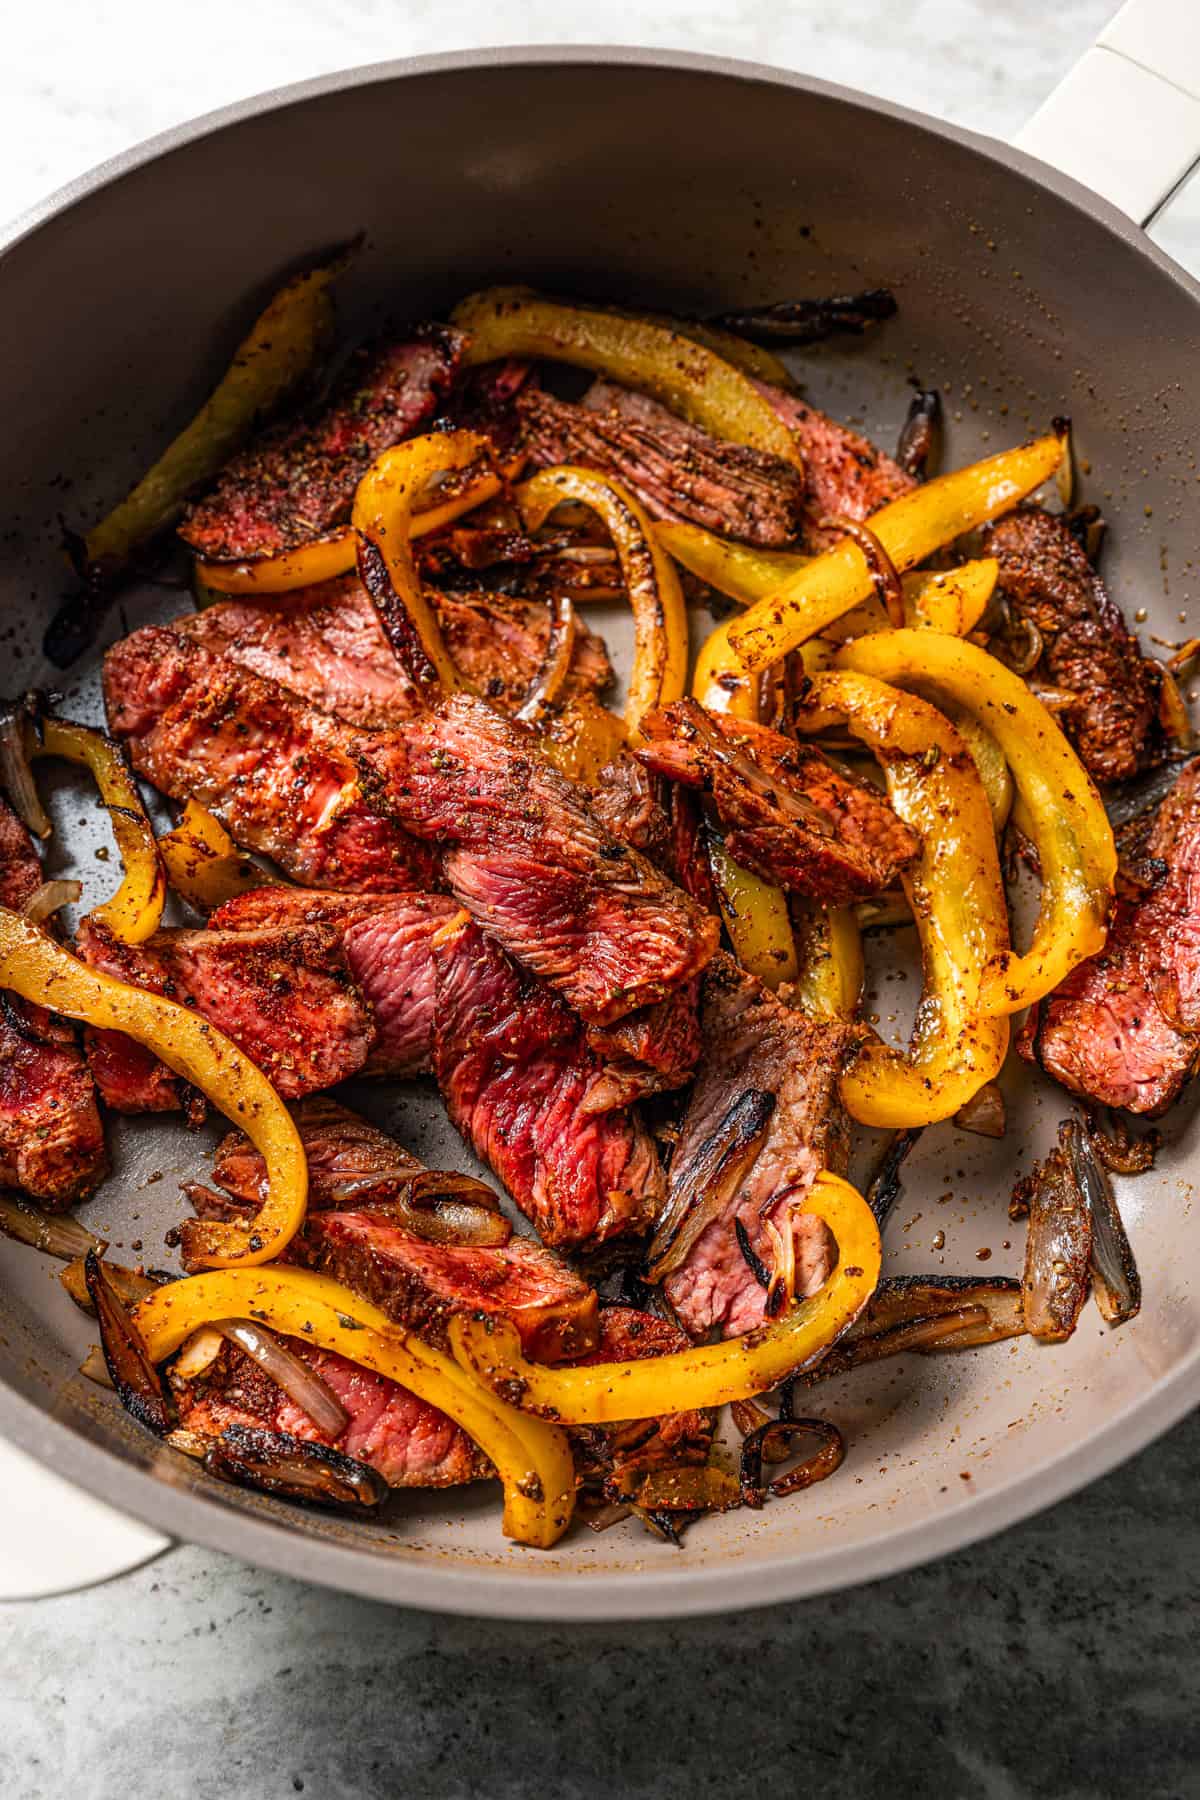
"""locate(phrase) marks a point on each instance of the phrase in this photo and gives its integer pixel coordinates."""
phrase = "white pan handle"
(1126, 120)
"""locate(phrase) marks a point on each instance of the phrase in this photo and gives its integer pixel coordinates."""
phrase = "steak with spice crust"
(284, 995)
(408, 1441)
(421, 1285)
(326, 644)
(533, 1101)
(295, 483)
(763, 1120)
(1088, 650)
(1123, 1029)
(787, 812)
(845, 476)
(51, 1137)
(335, 807)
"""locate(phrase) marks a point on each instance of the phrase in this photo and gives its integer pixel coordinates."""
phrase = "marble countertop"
(1058, 1660)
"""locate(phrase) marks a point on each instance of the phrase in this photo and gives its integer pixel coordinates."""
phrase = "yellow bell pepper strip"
(660, 656)
(280, 348)
(721, 681)
(950, 600)
(35, 967)
(532, 1458)
(754, 360)
(708, 1374)
(384, 508)
(909, 529)
(203, 864)
(956, 893)
(988, 757)
(685, 375)
(581, 736)
(135, 910)
(329, 557)
(1067, 822)
(830, 955)
(755, 916)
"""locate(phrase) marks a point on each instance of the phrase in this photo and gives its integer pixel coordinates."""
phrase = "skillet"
(694, 184)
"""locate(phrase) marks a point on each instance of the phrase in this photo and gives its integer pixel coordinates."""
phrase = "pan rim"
(674, 1591)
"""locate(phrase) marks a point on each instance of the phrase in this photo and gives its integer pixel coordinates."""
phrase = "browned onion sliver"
(130, 1286)
(277, 1463)
(984, 1112)
(16, 775)
(1058, 1249)
(129, 1363)
(882, 569)
(551, 678)
(763, 1444)
(441, 1207)
(45, 901)
(700, 1192)
(1115, 1279)
(289, 1372)
(63, 1236)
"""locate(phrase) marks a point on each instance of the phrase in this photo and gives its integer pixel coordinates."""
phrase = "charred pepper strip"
(707, 1374)
(829, 949)
(660, 657)
(336, 555)
(135, 910)
(957, 897)
(533, 1459)
(909, 529)
(203, 863)
(685, 375)
(280, 348)
(1068, 823)
(35, 967)
(755, 915)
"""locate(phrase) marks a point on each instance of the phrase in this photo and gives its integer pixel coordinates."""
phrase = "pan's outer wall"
(665, 179)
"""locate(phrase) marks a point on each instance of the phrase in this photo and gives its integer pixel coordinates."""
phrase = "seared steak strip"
(1124, 1027)
(334, 806)
(345, 1154)
(282, 777)
(676, 470)
(1087, 648)
(786, 811)
(532, 1099)
(326, 644)
(421, 1285)
(846, 476)
(763, 1120)
(285, 996)
(296, 482)
(51, 1138)
(387, 942)
(405, 1439)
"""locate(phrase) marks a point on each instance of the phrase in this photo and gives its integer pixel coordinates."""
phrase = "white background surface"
(80, 82)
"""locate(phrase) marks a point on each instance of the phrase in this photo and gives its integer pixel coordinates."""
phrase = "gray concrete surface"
(1059, 1660)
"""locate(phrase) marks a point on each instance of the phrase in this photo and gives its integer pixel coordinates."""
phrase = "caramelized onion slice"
(764, 1443)
(130, 1369)
(275, 1463)
(441, 1206)
(702, 1189)
(984, 1112)
(16, 773)
(288, 1371)
(46, 900)
(1115, 1279)
(1058, 1249)
(902, 1299)
(129, 1285)
(63, 1237)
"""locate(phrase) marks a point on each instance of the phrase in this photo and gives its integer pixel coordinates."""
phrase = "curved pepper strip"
(203, 863)
(328, 557)
(957, 896)
(950, 600)
(532, 1459)
(660, 656)
(756, 917)
(1068, 823)
(135, 910)
(35, 967)
(706, 1375)
(684, 374)
(829, 949)
(909, 529)
(279, 349)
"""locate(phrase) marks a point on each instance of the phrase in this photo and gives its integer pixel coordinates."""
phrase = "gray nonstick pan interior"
(696, 186)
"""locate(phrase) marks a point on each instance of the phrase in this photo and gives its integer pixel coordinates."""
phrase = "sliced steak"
(626, 800)
(326, 644)
(652, 1050)
(387, 943)
(677, 471)
(619, 1457)
(532, 1100)
(296, 481)
(283, 778)
(283, 994)
(763, 1120)
(845, 475)
(409, 1442)
(788, 813)
(51, 1137)
(1123, 1029)
(1088, 650)
(334, 806)
(421, 1285)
